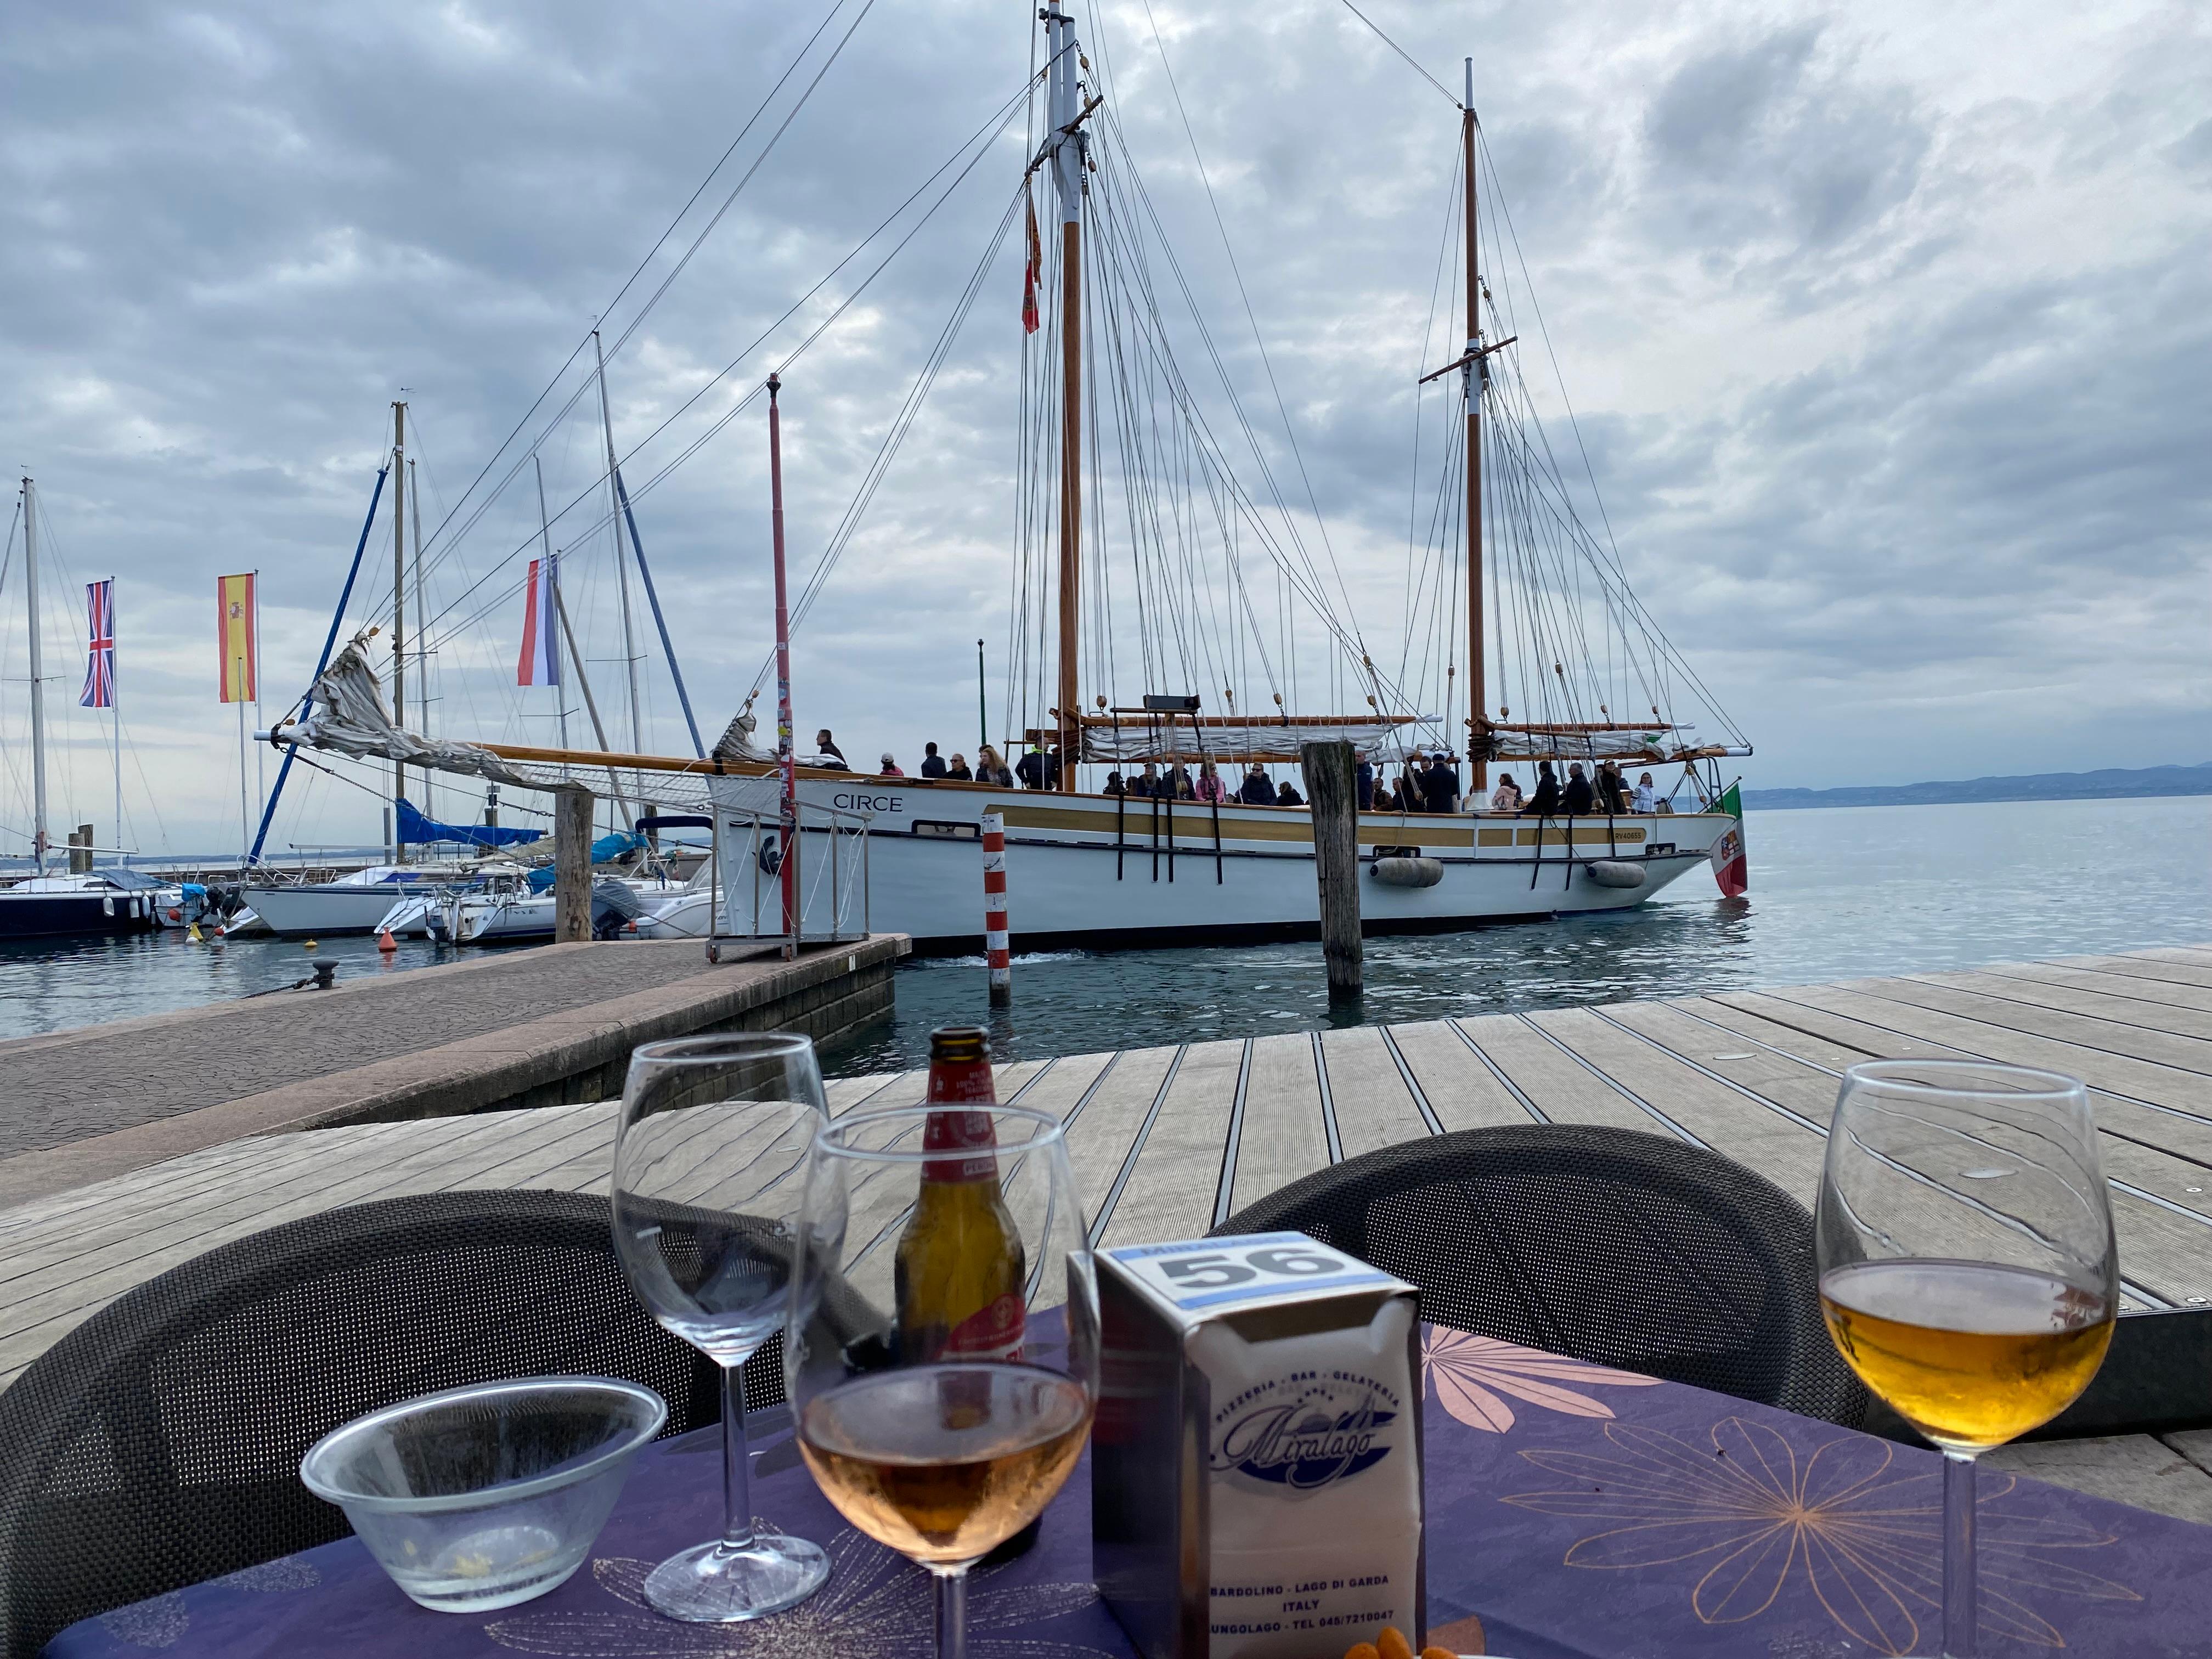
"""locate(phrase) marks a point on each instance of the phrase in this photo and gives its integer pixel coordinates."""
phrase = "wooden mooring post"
(1333, 793)
(572, 863)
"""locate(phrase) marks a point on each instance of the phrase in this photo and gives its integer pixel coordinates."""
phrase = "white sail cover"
(346, 713)
(1260, 740)
(1585, 746)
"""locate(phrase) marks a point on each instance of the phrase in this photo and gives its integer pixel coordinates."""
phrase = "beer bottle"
(960, 1267)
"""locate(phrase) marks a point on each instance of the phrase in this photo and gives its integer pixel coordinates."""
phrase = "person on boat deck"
(1030, 768)
(1441, 783)
(1179, 784)
(1114, 784)
(1146, 783)
(1546, 801)
(1363, 779)
(1257, 791)
(890, 767)
(1612, 788)
(1645, 799)
(1385, 797)
(1506, 797)
(933, 763)
(1577, 799)
(989, 768)
(957, 772)
(1287, 794)
(1412, 790)
(1209, 786)
(826, 745)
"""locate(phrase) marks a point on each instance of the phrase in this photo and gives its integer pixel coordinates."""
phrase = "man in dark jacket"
(933, 763)
(1441, 783)
(1366, 778)
(1256, 791)
(1545, 803)
(1287, 794)
(1030, 768)
(1577, 799)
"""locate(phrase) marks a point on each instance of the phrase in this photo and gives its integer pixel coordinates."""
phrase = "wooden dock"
(1168, 1141)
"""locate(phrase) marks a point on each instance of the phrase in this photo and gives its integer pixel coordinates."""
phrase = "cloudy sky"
(1888, 327)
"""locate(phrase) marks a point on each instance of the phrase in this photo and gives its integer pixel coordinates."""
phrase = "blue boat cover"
(607, 849)
(414, 826)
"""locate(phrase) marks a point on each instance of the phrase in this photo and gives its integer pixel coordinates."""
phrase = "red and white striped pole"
(994, 910)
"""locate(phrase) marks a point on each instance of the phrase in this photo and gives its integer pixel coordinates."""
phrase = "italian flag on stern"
(1729, 868)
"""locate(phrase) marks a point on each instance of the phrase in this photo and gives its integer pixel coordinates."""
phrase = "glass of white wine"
(942, 1355)
(1968, 1271)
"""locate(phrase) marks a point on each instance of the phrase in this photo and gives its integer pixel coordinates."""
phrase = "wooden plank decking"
(1167, 1142)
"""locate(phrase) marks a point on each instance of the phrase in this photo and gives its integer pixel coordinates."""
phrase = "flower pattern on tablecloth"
(876, 1605)
(1469, 1374)
(1752, 1511)
(161, 1621)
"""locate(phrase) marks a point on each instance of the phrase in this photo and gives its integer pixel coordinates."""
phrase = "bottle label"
(960, 1133)
(995, 1331)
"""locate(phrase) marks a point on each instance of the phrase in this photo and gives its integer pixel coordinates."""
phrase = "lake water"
(1834, 893)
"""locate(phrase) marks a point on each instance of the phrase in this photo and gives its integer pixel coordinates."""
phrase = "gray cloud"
(1894, 377)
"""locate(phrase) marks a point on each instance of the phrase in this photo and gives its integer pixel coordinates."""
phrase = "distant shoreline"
(2139, 783)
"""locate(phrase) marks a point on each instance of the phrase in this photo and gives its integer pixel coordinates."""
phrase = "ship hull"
(1091, 873)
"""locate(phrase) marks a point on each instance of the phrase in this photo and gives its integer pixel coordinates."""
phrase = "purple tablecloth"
(1573, 1510)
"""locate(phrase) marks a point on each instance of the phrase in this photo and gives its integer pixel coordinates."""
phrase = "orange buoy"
(385, 942)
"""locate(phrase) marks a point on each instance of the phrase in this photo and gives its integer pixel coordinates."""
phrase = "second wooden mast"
(1478, 723)
(1065, 112)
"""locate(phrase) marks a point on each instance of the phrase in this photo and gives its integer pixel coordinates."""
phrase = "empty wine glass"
(942, 1358)
(1968, 1271)
(709, 1176)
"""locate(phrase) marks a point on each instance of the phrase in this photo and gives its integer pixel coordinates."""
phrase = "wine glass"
(1967, 1267)
(709, 1172)
(943, 1356)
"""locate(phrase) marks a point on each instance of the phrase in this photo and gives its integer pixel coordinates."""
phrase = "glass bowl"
(481, 1496)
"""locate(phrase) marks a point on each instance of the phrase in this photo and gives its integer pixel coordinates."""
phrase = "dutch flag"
(541, 651)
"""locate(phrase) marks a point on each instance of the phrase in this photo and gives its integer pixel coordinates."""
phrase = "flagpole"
(260, 754)
(244, 800)
(115, 715)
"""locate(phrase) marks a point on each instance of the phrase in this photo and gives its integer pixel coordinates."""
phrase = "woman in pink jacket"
(1208, 786)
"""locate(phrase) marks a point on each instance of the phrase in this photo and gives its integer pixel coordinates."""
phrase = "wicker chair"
(159, 1444)
(1631, 1249)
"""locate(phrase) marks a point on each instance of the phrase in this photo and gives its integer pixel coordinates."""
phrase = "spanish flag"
(237, 626)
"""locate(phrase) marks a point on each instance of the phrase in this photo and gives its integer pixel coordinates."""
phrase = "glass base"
(714, 1584)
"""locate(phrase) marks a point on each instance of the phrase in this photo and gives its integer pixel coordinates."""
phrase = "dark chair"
(1630, 1249)
(159, 1442)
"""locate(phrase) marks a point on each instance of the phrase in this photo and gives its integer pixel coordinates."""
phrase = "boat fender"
(1407, 873)
(1614, 872)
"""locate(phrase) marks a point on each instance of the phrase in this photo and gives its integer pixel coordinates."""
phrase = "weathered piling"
(1333, 795)
(572, 863)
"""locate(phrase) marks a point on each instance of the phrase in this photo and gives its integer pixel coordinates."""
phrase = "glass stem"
(1959, 1608)
(952, 1612)
(737, 1465)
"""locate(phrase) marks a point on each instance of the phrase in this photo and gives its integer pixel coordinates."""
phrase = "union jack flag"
(99, 666)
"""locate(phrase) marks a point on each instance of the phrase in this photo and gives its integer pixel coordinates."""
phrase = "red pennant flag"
(1031, 275)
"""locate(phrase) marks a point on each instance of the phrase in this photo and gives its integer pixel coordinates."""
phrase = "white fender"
(1616, 872)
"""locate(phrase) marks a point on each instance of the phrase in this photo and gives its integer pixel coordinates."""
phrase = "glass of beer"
(942, 1357)
(1968, 1271)
(710, 1170)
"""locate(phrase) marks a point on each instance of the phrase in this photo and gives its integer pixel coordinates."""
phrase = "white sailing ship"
(1512, 602)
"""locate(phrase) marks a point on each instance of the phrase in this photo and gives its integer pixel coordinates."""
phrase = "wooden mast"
(1065, 112)
(1478, 712)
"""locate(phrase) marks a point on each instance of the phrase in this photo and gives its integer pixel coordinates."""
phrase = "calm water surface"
(1834, 894)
